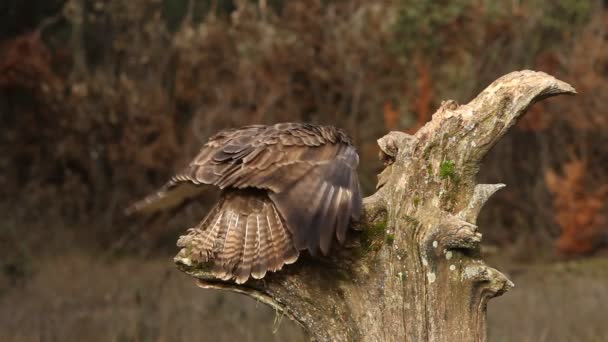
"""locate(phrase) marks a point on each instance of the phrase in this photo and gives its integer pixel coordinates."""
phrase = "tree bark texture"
(412, 269)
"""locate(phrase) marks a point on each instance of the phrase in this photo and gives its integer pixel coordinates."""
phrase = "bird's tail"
(242, 235)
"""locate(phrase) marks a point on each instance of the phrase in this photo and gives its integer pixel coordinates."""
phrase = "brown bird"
(285, 188)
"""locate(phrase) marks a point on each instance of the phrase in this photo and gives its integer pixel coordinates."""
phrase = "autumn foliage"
(112, 97)
(580, 211)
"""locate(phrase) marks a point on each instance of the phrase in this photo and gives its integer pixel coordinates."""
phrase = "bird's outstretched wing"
(309, 172)
(264, 157)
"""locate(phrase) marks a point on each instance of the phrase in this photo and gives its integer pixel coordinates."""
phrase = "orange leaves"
(424, 94)
(580, 212)
(425, 91)
(422, 98)
(391, 116)
(25, 62)
(536, 120)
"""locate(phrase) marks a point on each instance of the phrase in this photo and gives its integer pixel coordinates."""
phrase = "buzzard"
(284, 188)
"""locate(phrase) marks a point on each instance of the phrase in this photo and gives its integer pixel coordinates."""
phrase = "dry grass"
(553, 302)
(76, 297)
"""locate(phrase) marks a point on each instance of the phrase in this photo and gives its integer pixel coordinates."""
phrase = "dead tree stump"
(413, 271)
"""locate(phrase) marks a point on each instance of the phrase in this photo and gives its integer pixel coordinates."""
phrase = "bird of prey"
(285, 188)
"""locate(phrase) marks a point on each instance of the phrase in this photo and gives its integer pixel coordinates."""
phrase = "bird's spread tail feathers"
(242, 236)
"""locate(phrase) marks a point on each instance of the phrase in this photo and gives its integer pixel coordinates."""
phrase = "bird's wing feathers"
(265, 157)
(309, 174)
(320, 205)
(169, 196)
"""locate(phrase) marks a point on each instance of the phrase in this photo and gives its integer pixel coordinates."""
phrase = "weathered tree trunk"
(413, 271)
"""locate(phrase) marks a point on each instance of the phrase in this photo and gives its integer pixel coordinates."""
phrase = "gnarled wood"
(415, 273)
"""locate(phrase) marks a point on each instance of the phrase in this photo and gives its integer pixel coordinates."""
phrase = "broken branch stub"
(416, 273)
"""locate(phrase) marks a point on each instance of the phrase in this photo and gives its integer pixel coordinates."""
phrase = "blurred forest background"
(101, 101)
